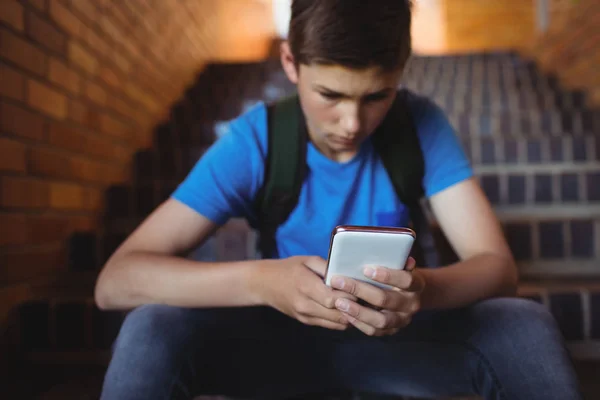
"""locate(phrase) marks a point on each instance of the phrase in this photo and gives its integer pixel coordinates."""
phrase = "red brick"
(39, 4)
(12, 155)
(67, 196)
(23, 192)
(111, 105)
(62, 136)
(11, 12)
(123, 107)
(109, 77)
(97, 172)
(19, 121)
(111, 29)
(50, 163)
(95, 93)
(95, 42)
(55, 164)
(86, 8)
(68, 138)
(151, 79)
(28, 263)
(78, 112)
(65, 18)
(45, 34)
(122, 154)
(82, 58)
(22, 53)
(134, 92)
(121, 62)
(122, 15)
(89, 171)
(113, 127)
(141, 116)
(94, 199)
(62, 75)
(12, 83)
(83, 223)
(47, 100)
(101, 146)
(47, 228)
(14, 229)
(93, 120)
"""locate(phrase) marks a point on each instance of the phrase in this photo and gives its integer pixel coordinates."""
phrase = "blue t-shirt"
(224, 182)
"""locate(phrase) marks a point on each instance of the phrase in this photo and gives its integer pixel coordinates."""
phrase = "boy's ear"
(288, 62)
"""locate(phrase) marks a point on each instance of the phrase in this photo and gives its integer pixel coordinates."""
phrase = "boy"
(271, 326)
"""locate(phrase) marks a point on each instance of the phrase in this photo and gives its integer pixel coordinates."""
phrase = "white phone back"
(351, 251)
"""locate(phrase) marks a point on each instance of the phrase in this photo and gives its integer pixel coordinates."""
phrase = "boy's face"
(342, 106)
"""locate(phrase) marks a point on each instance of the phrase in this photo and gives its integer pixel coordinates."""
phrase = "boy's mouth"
(343, 141)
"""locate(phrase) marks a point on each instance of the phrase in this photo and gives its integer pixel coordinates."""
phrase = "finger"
(323, 323)
(402, 319)
(378, 297)
(366, 315)
(324, 295)
(312, 309)
(364, 327)
(411, 280)
(317, 265)
(389, 332)
(410, 264)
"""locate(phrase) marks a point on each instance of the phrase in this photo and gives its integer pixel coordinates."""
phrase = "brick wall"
(571, 47)
(82, 84)
(472, 25)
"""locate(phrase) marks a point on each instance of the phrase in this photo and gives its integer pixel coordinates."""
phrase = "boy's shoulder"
(253, 117)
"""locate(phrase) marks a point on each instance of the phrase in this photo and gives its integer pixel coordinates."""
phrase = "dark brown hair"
(352, 33)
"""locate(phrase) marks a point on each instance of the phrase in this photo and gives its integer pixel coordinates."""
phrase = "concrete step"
(529, 123)
(480, 102)
(494, 85)
(543, 188)
(548, 242)
(501, 151)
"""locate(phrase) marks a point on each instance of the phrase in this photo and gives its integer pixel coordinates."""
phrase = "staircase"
(535, 149)
(534, 146)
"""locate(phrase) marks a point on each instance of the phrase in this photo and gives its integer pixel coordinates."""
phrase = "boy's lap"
(268, 326)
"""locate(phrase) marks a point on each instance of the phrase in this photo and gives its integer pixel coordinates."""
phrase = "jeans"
(504, 348)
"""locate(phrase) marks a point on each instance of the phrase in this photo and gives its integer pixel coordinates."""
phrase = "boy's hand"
(396, 306)
(295, 287)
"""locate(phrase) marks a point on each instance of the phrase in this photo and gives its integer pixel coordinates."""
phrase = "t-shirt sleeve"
(224, 181)
(445, 161)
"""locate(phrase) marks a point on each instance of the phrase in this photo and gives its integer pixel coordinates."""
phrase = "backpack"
(395, 141)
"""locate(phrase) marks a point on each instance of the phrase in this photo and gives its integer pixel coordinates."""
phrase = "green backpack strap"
(397, 143)
(285, 170)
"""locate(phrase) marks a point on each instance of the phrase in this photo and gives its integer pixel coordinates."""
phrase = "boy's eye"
(375, 97)
(331, 96)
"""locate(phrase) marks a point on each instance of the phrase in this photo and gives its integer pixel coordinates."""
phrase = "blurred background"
(106, 104)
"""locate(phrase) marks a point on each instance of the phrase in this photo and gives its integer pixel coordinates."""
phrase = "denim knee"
(154, 333)
(513, 328)
(517, 313)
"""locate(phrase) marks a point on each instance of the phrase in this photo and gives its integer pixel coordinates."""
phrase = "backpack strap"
(397, 143)
(285, 170)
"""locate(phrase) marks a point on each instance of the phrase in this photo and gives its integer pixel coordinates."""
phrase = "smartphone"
(352, 248)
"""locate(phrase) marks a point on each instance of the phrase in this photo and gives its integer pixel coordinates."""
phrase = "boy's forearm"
(463, 283)
(143, 278)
